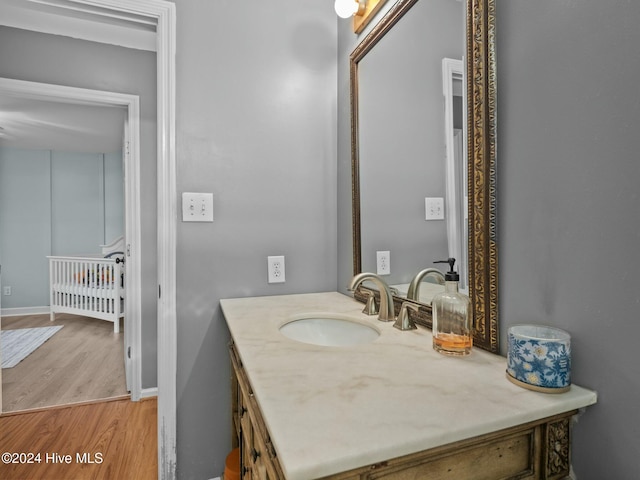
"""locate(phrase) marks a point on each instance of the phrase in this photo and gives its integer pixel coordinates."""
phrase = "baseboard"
(149, 392)
(18, 311)
(117, 398)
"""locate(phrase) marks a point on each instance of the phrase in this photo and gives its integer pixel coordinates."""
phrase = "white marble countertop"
(332, 409)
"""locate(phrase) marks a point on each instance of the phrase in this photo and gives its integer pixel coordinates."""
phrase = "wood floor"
(107, 440)
(83, 361)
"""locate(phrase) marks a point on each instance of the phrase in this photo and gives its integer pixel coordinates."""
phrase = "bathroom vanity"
(390, 408)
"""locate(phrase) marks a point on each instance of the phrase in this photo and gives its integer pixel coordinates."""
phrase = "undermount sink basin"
(328, 330)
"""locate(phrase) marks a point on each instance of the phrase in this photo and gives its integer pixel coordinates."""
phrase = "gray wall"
(65, 61)
(54, 203)
(25, 226)
(569, 197)
(256, 125)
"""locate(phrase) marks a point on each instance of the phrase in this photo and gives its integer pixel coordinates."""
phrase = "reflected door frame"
(456, 170)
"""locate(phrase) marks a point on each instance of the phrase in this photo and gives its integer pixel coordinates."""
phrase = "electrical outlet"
(383, 262)
(6, 290)
(434, 208)
(275, 267)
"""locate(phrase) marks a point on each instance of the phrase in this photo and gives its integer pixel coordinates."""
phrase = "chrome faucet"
(387, 312)
(414, 287)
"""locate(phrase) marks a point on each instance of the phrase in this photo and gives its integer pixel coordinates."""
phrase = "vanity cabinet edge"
(257, 454)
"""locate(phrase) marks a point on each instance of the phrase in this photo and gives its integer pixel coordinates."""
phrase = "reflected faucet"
(414, 287)
(404, 321)
(387, 312)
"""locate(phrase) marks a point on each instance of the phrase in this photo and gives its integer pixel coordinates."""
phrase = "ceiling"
(47, 125)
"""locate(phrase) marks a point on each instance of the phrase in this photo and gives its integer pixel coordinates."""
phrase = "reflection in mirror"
(402, 140)
(415, 194)
(456, 165)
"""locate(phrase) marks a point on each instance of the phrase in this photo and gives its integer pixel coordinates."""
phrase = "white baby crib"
(92, 286)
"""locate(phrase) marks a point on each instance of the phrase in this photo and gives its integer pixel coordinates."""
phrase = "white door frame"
(82, 96)
(163, 15)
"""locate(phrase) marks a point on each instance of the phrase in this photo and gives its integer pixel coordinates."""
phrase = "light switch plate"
(434, 208)
(197, 207)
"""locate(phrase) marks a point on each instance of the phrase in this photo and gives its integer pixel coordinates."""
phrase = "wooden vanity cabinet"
(257, 455)
(537, 450)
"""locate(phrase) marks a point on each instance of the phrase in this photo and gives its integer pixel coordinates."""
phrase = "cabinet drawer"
(512, 457)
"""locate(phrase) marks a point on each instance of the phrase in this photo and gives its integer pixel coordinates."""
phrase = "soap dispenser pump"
(452, 321)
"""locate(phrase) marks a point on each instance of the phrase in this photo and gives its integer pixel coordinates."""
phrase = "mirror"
(414, 157)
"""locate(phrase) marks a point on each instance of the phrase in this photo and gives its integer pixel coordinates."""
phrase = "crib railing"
(87, 286)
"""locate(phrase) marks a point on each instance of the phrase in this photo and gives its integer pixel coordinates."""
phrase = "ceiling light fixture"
(362, 11)
(349, 8)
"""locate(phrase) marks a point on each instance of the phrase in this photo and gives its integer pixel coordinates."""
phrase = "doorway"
(158, 19)
(132, 228)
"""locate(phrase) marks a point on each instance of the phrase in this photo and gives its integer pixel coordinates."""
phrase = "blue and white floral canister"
(539, 358)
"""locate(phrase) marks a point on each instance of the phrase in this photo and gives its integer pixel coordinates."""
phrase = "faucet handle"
(370, 307)
(403, 322)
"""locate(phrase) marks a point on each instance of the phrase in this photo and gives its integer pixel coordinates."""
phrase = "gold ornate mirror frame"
(481, 141)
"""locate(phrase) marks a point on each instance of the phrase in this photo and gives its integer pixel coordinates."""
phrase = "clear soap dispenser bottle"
(452, 320)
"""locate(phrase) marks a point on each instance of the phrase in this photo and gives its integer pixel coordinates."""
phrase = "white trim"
(64, 94)
(133, 254)
(51, 17)
(20, 311)
(83, 96)
(167, 218)
(149, 392)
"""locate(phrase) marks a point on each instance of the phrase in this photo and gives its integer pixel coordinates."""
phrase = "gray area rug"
(16, 345)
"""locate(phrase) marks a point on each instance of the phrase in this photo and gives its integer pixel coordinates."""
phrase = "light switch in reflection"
(434, 207)
(197, 207)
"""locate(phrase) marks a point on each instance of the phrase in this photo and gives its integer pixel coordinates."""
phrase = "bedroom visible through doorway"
(127, 342)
